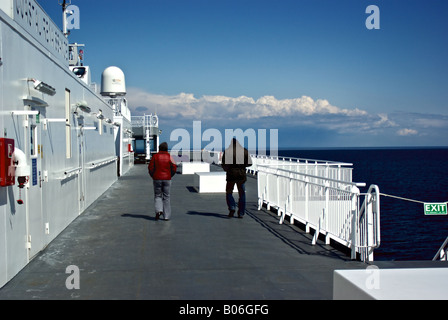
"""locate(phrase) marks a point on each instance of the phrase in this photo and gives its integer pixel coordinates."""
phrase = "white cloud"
(300, 114)
(186, 105)
(384, 121)
(407, 132)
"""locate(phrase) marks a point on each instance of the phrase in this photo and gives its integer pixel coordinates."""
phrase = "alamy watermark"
(256, 141)
(373, 278)
(73, 17)
(373, 20)
(73, 281)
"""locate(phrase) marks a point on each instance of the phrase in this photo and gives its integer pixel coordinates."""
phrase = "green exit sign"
(435, 208)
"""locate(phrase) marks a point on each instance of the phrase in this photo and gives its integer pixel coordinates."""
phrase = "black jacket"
(235, 160)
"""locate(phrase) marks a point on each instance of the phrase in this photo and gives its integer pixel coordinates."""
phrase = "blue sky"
(309, 68)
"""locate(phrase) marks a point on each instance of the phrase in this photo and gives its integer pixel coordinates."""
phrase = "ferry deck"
(116, 249)
(122, 252)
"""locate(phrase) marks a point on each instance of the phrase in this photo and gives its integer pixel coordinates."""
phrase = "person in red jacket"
(162, 168)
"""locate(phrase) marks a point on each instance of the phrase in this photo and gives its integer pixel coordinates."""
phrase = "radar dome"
(112, 82)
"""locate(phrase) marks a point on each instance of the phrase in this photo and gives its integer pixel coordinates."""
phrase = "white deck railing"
(314, 194)
(319, 194)
(331, 169)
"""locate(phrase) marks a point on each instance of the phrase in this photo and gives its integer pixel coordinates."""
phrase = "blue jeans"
(241, 193)
(162, 197)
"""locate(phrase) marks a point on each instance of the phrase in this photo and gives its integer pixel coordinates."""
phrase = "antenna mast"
(64, 5)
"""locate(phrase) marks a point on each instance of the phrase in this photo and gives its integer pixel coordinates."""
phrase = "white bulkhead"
(67, 132)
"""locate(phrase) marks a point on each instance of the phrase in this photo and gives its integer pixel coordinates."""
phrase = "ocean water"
(414, 173)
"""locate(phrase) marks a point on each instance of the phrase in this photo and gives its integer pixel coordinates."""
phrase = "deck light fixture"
(43, 87)
(100, 115)
(82, 105)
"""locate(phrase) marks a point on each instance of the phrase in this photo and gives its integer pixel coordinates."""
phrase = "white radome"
(113, 82)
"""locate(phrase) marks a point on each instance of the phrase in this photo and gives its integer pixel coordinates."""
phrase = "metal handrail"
(442, 253)
(363, 209)
(306, 161)
(367, 212)
(69, 173)
(99, 163)
(337, 170)
(358, 184)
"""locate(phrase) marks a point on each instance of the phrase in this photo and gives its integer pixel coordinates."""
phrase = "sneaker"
(158, 214)
(231, 213)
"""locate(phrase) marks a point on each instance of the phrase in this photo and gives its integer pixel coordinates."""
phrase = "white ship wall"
(123, 134)
(60, 187)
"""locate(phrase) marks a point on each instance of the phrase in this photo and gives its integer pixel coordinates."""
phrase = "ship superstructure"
(63, 144)
(146, 134)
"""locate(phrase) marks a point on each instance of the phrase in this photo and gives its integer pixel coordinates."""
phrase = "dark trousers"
(241, 193)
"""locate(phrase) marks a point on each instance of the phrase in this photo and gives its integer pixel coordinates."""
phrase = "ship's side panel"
(128, 154)
(71, 153)
(33, 19)
(123, 138)
(13, 252)
(3, 191)
(99, 153)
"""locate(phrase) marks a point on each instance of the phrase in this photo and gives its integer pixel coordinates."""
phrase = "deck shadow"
(208, 214)
(138, 216)
(192, 189)
(292, 236)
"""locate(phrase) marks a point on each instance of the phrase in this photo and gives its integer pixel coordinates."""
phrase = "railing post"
(317, 231)
(278, 193)
(307, 226)
(260, 194)
(354, 229)
(370, 239)
(268, 205)
(290, 196)
(326, 213)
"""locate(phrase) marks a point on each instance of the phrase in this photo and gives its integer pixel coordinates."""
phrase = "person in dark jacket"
(162, 168)
(235, 159)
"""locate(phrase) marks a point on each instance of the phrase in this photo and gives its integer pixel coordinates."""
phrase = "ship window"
(68, 129)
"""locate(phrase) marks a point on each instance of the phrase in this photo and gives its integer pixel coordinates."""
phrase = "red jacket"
(162, 166)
